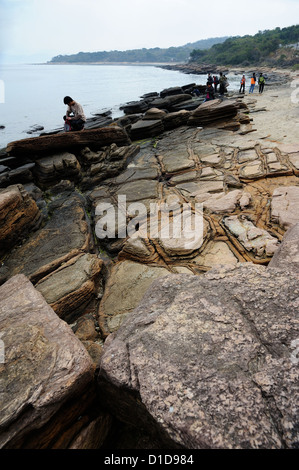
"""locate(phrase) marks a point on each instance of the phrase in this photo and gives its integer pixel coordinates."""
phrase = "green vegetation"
(154, 55)
(269, 47)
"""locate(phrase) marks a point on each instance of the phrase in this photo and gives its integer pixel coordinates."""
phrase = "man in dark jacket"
(261, 83)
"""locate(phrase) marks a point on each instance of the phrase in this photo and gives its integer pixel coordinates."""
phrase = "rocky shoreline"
(146, 341)
(275, 75)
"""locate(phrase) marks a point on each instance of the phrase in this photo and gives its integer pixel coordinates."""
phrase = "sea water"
(33, 94)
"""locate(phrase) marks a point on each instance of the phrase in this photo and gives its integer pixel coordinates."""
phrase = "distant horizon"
(41, 58)
(37, 31)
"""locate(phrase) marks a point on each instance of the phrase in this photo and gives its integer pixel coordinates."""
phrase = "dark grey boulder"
(177, 90)
(146, 128)
(135, 107)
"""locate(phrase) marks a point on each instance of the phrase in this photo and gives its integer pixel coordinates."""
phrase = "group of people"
(75, 117)
(214, 81)
(261, 83)
(212, 86)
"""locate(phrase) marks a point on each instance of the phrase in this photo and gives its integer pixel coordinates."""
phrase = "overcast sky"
(40, 29)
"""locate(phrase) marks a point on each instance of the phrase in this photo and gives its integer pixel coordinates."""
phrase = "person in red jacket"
(209, 92)
(216, 82)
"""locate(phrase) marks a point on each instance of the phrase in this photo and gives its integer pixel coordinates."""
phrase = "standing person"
(210, 79)
(252, 83)
(216, 82)
(242, 85)
(75, 117)
(222, 82)
(261, 83)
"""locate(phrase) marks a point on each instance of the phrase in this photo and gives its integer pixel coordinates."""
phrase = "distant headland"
(143, 56)
(276, 47)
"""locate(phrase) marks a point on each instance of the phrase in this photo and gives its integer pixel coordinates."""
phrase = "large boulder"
(50, 170)
(177, 90)
(46, 374)
(106, 163)
(176, 119)
(170, 101)
(21, 175)
(209, 361)
(135, 107)
(213, 111)
(146, 128)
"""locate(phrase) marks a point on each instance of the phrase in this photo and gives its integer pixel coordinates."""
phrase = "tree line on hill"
(156, 54)
(269, 47)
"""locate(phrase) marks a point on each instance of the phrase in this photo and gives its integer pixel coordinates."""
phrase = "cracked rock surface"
(210, 358)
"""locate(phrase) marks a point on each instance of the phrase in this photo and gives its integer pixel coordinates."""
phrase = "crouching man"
(75, 117)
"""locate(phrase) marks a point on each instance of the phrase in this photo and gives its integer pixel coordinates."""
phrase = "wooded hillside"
(271, 47)
(156, 54)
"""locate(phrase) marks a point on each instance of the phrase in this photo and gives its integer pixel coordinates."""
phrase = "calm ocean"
(33, 94)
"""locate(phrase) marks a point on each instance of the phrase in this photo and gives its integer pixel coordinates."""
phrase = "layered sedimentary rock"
(64, 141)
(146, 128)
(52, 169)
(252, 238)
(105, 163)
(85, 167)
(65, 235)
(117, 217)
(170, 101)
(135, 107)
(19, 215)
(46, 371)
(20, 175)
(212, 111)
(175, 119)
(69, 299)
